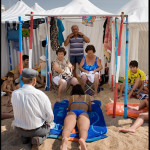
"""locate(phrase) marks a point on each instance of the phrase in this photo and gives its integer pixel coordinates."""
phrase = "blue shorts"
(76, 59)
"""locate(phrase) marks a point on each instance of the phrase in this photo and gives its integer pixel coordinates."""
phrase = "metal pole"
(20, 49)
(30, 42)
(126, 70)
(9, 51)
(118, 65)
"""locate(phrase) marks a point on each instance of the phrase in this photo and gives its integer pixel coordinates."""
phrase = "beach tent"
(37, 8)
(137, 12)
(75, 7)
(11, 16)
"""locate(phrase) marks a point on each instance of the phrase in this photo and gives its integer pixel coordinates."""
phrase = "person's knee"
(74, 81)
(63, 82)
(83, 77)
(143, 116)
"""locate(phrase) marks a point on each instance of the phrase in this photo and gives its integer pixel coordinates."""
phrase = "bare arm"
(17, 72)
(70, 101)
(57, 68)
(100, 67)
(141, 88)
(80, 66)
(87, 40)
(68, 38)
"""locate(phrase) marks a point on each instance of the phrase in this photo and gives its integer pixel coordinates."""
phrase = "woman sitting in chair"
(79, 104)
(90, 66)
(59, 72)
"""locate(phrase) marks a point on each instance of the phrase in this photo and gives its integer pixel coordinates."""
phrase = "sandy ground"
(10, 140)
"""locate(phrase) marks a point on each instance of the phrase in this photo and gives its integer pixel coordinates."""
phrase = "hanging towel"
(54, 34)
(88, 20)
(60, 31)
(108, 40)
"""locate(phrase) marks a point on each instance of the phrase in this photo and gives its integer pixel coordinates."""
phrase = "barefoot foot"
(82, 144)
(64, 143)
(127, 130)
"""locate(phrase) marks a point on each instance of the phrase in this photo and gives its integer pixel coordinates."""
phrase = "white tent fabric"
(137, 12)
(77, 7)
(18, 9)
(37, 8)
(94, 33)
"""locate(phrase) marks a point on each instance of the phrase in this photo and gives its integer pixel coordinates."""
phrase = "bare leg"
(69, 124)
(6, 116)
(74, 81)
(83, 81)
(139, 121)
(96, 82)
(62, 86)
(135, 86)
(42, 81)
(74, 70)
(83, 124)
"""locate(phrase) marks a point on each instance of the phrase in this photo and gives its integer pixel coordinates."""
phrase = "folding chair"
(89, 86)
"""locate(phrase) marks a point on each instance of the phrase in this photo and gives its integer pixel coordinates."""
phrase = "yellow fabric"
(12, 71)
(132, 76)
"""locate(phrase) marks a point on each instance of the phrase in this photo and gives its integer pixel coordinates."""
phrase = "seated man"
(32, 110)
(90, 66)
(136, 78)
(59, 67)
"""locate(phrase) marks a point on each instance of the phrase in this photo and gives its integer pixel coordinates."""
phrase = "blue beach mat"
(97, 128)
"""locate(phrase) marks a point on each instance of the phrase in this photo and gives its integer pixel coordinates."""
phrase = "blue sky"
(111, 6)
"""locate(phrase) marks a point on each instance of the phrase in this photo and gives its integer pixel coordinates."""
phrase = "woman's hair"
(77, 90)
(10, 74)
(61, 49)
(90, 47)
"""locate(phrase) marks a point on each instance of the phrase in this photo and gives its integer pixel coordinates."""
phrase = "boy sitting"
(136, 78)
(8, 87)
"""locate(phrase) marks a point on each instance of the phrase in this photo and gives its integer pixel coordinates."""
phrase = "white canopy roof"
(78, 7)
(36, 7)
(18, 9)
(137, 11)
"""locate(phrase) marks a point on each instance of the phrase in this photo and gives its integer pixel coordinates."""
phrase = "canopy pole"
(118, 65)
(9, 51)
(112, 63)
(20, 49)
(126, 69)
(30, 42)
(47, 56)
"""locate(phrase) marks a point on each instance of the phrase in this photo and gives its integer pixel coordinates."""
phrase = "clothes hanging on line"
(88, 20)
(60, 31)
(54, 34)
(108, 40)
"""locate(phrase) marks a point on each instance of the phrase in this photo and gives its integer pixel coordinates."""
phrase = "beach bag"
(13, 35)
(25, 32)
(67, 74)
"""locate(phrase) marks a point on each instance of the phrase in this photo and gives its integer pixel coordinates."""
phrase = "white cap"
(43, 58)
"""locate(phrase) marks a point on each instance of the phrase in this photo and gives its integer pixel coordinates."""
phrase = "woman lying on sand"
(142, 116)
(79, 104)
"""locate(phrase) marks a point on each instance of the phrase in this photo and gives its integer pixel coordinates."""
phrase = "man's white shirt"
(31, 108)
